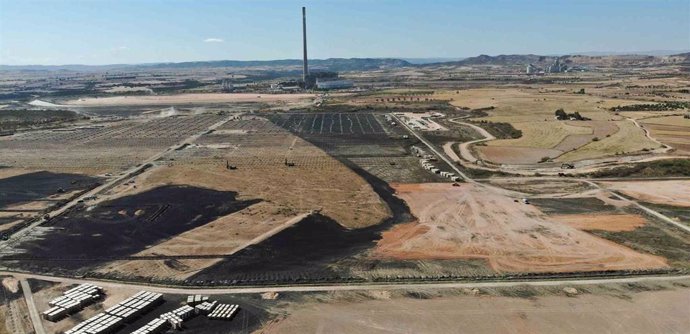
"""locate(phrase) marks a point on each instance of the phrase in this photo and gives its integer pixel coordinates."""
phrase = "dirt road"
(350, 287)
(31, 305)
(465, 151)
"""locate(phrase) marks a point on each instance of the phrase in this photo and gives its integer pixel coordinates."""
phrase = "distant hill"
(330, 64)
(681, 56)
(580, 60)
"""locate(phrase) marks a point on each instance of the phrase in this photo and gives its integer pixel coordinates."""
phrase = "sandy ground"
(604, 222)
(11, 284)
(645, 312)
(672, 192)
(543, 186)
(10, 172)
(188, 98)
(469, 222)
(515, 155)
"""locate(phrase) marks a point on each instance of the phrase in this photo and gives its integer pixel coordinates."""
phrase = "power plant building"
(319, 79)
(334, 84)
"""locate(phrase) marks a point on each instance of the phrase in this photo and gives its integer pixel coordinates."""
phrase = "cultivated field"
(628, 139)
(672, 130)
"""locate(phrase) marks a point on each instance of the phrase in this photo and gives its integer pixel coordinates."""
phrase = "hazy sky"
(136, 31)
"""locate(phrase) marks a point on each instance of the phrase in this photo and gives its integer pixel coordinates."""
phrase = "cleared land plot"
(644, 312)
(604, 222)
(654, 237)
(467, 222)
(671, 192)
(189, 99)
(542, 186)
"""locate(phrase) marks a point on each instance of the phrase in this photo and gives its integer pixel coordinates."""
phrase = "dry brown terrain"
(671, 192)
(644, 313)
(515, 155)
(601, 221)
(317, 182)
(673, 131)
(471, 222)
(542, 186)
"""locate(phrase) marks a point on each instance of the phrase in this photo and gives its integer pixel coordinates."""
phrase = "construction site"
(350, 194)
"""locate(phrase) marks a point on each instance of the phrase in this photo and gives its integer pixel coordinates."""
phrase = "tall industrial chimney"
(305, 70)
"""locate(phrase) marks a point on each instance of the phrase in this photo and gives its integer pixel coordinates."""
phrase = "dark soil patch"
(657, 239)
(571, 205)
(673, 167)
(83, 238)
(680, 212)
(37, 285)
(34, 186)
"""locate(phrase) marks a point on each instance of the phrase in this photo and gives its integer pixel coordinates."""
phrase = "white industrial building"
(334, 84)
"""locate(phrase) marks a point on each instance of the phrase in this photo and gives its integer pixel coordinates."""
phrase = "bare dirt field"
(189, 99)
(515, 155)
(316, 182)
(671, 192)
(551, 187)
(647, 312)
(599, 221)
(472, 223)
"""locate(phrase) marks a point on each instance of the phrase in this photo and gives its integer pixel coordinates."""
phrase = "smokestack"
(305, 70)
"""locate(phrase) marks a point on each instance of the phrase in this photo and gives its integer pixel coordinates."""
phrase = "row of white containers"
(114, 316)
(72, 300)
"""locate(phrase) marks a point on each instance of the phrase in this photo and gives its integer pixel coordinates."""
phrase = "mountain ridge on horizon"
(335, 64)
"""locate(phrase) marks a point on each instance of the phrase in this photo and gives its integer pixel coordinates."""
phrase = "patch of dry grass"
(628, 139)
